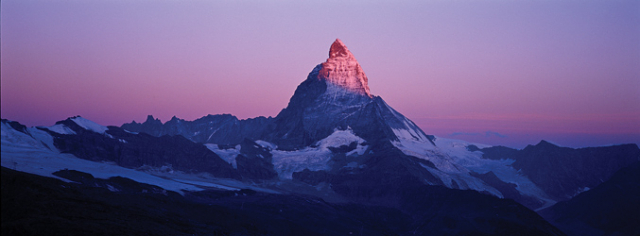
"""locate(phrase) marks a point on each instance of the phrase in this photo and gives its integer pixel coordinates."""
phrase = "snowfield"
(454, 162)
(315, 158)
(34, 153)
(312, 158)
(89, 125)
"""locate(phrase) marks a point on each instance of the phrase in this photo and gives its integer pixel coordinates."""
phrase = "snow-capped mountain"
(336, 95)
(334, 102)
(334, 106)
(336, 141)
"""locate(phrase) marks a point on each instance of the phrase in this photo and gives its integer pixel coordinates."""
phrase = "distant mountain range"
(337, 160)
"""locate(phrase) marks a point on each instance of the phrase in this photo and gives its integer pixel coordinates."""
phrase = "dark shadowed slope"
(35, 205)
(611, 208)
(564, 172)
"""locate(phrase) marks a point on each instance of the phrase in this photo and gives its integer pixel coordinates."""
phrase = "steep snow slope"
(89, 125)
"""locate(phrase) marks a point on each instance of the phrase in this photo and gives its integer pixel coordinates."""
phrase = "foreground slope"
(611, 208)
(35, 205)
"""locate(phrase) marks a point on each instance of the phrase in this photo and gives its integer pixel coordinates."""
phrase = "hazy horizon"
(492, 72)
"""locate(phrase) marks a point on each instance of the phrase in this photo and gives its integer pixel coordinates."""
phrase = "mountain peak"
(338, 49)
(343, 69)
(544, 143)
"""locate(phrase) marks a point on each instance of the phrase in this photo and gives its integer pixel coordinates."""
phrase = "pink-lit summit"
(343, 69)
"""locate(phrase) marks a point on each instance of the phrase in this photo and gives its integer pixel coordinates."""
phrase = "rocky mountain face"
(343, 69)
(255, 162)
(336, 96)
(219, 129)
(319, 107)
(565, 172)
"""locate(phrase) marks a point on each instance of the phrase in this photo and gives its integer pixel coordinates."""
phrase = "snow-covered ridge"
(406, 129)
(82, 122)
(90, 125)
(454, 162)
(61, 129)
(343, 69)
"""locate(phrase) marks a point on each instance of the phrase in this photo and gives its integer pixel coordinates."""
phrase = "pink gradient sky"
(563, 71)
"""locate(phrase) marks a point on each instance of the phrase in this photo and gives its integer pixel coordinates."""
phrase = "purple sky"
(495, 72)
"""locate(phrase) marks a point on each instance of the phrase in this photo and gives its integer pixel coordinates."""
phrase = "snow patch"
(342, 138)
(207, 184)
(405, 129)
(112, 189)
(130, 132)
(266, 144)
(315, 158)
(90, 125)
(61, 129)
(229, 155)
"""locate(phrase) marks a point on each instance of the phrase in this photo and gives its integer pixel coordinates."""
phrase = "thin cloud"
(491, 133)
(486, 134)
